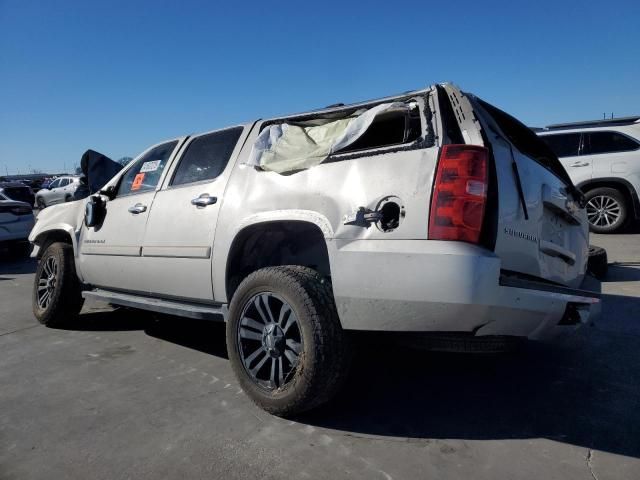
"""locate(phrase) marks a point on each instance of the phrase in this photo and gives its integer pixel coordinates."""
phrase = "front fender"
(65, 218)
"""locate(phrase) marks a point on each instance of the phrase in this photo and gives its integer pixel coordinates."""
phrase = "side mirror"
(109, 192)
(95, 211)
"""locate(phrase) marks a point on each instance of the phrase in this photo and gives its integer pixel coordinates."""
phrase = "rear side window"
(609, 142)
(525, 140)
(206, 156)
(145, 173)
(563, 144)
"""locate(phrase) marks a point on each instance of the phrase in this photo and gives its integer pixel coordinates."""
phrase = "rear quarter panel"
(323, 195)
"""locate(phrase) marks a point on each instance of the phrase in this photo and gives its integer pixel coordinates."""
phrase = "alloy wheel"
(47, 282)
(603, 211)
(269, 340)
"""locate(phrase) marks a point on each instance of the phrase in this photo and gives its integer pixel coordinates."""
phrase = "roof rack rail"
(595, 123)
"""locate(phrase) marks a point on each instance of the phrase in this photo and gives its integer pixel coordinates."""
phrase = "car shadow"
(116, 320)
(580, 389)
(202, 335)
(582, 392)
(16, 266)
(623, 272)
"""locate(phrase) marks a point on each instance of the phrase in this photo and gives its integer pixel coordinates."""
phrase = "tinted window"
(563, 145)
(206, 156)
(525, 140)
(609, 142)
(55, 184)
(145, 173)
(64, 182)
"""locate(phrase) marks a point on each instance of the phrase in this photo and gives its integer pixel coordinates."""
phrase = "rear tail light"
(459, 194)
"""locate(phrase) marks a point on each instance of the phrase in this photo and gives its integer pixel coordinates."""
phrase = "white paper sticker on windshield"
(150, 166)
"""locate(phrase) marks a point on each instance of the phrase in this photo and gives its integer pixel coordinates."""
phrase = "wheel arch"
(55, 233)
(276, 242)
(624, 186)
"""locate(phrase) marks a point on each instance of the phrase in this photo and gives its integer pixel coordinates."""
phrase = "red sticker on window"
(137, 182)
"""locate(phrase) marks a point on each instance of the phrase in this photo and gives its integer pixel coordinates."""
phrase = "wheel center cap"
(273, 340)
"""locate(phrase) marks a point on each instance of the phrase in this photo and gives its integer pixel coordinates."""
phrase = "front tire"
(606, 210)
(41, 203)
(57, 297)
(285, 341)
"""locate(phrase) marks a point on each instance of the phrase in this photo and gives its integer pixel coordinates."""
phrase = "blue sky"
(119, 76)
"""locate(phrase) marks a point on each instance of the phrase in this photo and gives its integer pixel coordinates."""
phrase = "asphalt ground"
(122, 394)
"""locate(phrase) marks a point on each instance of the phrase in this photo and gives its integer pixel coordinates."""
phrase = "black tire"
(599, 223)
(68, 198)
(598, 263)
(41, 203)
(323, 362)
(65, 297)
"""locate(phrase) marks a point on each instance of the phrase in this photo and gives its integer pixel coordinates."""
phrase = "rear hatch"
(541, 230)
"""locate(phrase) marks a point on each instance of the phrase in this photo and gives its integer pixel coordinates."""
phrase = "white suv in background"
(603, 160)
(59, 191)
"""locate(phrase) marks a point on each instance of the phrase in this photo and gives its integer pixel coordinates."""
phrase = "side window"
(145, 173)
(64, 182)
(206, 156)
(563, 144)
(54, 184)
(610, 142)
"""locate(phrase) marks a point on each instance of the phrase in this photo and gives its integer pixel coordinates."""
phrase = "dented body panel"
(385, 276)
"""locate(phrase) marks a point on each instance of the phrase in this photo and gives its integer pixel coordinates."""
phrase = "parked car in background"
(46, 182)
(16, 221)
(603, 159)
(17, 191)
(34, 183)
(60, 190)
(431, 214)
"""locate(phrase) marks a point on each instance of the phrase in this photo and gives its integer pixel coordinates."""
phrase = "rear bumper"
(433, 286)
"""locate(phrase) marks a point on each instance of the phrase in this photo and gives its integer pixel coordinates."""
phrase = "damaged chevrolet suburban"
(430, 213)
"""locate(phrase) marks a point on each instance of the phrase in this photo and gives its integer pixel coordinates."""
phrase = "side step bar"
(170, 307)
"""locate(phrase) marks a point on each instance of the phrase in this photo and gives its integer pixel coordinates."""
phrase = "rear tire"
(57, 297)
(606, 210)
(259, 335)
(598, 263)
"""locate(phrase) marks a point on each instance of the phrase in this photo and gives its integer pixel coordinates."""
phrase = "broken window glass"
(292, 146)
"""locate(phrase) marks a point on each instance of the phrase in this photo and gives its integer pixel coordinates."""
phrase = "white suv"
(603, 159)
(431, 214)
(60, 190)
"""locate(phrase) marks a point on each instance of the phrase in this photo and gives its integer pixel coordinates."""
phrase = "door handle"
(204, 200)
(137, 208)
(579, 164)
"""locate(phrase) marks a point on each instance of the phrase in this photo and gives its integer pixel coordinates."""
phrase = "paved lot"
(121, 395)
